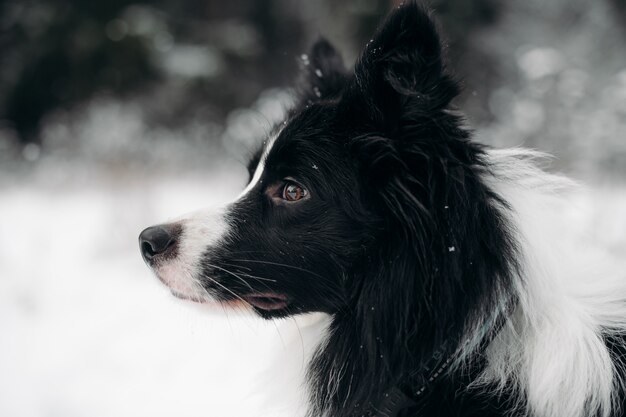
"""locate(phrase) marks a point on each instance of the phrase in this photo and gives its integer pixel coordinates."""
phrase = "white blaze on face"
(258, 172)
(201, 231)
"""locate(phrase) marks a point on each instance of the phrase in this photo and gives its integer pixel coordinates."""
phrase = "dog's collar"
(397, 399)
(415, 389)
(394, 402)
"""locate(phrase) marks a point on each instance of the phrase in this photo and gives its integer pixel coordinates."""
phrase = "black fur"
(400, 241)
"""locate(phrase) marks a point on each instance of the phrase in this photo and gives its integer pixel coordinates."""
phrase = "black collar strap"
(422, 381)
(396, 399)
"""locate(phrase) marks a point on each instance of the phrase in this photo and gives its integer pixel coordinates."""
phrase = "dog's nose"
(156, 240)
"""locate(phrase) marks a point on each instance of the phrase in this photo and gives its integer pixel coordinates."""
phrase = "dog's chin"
(266, 304)
(193, 299)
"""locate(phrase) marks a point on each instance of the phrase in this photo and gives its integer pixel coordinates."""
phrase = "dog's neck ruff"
(415, 389)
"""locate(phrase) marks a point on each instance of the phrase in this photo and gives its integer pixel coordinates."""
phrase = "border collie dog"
(446, 269)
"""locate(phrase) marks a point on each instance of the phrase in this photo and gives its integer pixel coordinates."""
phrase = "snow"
(87, 329)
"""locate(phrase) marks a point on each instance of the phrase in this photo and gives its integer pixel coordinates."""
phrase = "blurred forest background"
(109, 80)
(119, 114)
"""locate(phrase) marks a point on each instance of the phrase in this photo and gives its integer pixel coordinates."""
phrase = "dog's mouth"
(268, 301)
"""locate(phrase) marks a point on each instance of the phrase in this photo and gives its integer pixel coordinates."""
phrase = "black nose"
(156, 240)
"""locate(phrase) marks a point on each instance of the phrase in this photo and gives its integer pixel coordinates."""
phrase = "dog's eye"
(293, 192)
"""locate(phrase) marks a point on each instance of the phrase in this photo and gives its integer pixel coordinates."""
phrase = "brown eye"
(293, 192)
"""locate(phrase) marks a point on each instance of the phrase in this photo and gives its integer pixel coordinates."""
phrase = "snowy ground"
(87, 331)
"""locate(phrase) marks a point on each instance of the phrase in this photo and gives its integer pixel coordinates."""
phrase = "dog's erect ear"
(401, 91)
(324, 73)
(401, 71)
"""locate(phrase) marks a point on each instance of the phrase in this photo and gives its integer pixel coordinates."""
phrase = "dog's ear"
(401, 71)
(324, 74)
(401, 92)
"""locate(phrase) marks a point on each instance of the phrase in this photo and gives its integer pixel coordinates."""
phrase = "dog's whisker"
(248, 274)
(237, 266)
(256, 277)
(228, 290)
(230, 273)
(240, 278)
(301, 340)
(280, 264)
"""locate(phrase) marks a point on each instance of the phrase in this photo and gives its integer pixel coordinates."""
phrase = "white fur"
(552, 350)
(258, 173)
(202, 230)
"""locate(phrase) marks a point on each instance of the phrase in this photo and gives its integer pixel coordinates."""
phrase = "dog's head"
(368, 163)
(367, 203)
(327, 188)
